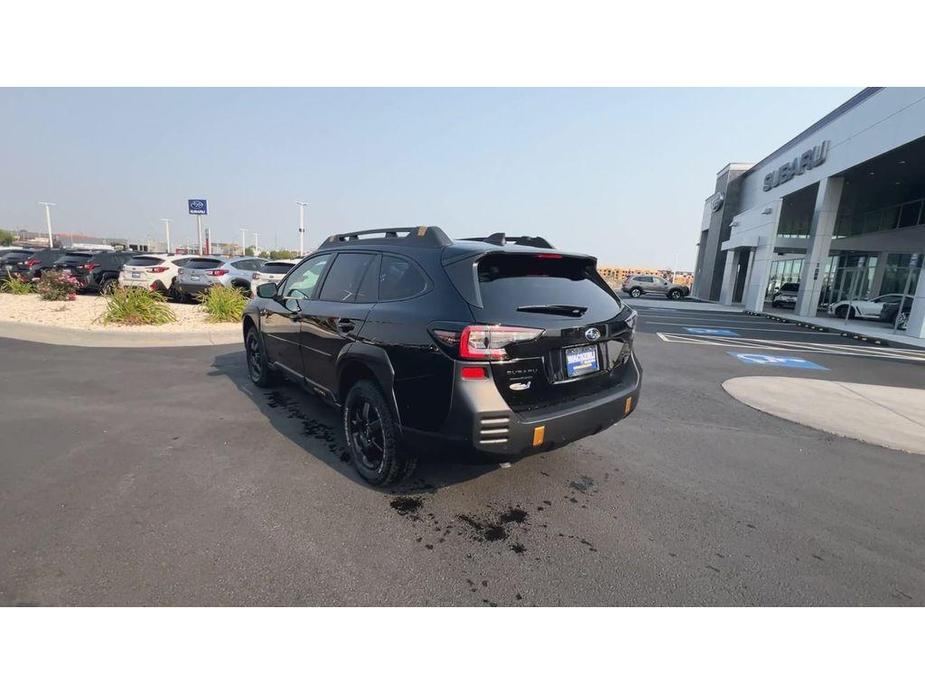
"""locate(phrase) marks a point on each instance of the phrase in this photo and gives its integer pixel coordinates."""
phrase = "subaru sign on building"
(837, 214)
(198, 207)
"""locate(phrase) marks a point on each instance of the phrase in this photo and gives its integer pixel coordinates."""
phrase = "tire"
(774, 304)
(674, 294)
(257, 367)
(373, 438)
(635, 292)
(843, 311)
(107, 286)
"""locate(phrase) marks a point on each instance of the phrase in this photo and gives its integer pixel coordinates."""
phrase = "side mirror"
(267, 290)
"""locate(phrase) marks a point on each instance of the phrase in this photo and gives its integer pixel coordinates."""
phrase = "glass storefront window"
(897, 271)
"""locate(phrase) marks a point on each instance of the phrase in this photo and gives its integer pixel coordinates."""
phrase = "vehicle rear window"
(344, 277)
(203, 263)
(507, 281)
(144, 261)
(16, 256)
(75, 257)
(277, 268)
(790, 287)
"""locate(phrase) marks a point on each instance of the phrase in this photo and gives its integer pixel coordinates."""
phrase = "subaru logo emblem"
(592, 334)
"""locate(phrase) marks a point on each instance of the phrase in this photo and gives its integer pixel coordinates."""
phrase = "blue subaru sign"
(198, 207)
(721, 332)
(772, 360)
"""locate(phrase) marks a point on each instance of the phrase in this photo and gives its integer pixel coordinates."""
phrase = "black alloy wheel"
(257, 368)
(373, 437)
(635, 292)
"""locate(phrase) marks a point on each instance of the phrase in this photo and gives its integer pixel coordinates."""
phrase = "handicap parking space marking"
(722, 332)
(771, 360)
(849, 350)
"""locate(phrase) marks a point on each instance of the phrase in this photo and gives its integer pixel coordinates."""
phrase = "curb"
(75, 337)
(824, 329)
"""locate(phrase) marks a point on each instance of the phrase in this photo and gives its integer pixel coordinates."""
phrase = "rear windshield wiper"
(557, 309)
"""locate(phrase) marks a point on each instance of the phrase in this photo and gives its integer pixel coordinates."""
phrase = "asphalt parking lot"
(162, 477)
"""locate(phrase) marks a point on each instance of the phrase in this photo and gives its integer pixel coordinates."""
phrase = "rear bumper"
(195, 287)
(481, 421)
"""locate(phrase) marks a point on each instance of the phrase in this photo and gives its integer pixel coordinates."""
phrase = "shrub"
(56, 286)
(13, 284)
(223, 304)
(137, 306)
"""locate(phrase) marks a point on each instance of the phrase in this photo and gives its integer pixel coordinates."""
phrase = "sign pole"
(199, 234)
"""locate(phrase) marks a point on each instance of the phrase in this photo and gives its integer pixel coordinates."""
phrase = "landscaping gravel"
(85, 311)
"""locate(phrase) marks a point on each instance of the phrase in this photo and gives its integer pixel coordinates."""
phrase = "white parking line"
(781, 345)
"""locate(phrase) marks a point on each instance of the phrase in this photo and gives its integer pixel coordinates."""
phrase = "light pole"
(256, 250)
(167, 232)
(243, 241)
(48, 206)
(302, 206)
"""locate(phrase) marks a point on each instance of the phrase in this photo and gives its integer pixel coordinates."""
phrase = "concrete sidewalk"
(882, 415)
(116, 337)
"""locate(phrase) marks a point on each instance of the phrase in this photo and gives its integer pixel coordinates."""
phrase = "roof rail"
(423, 235)
(500, 239)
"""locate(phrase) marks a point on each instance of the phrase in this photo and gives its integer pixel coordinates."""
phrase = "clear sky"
(619, 173)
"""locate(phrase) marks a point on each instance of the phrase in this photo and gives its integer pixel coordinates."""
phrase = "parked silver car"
(637, 285)
(203, 272)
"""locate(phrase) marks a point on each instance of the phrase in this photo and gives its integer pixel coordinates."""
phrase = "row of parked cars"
(882, 308)
(180, 277)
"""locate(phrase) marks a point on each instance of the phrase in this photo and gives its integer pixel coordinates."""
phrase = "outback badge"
(520, 385)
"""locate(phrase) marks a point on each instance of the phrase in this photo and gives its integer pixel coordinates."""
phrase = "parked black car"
(29, 264)
(500, 346)
(94, 270)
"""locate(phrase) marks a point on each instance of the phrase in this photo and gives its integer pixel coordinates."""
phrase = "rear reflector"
(628, 405)
(473, 372)
(539, 433)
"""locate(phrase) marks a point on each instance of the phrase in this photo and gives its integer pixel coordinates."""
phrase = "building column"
(729, 277)
(916, 324)
(753, 298)
(820, 241)
(879, 271)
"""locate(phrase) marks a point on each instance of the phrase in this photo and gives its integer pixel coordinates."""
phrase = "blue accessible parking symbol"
(721, 332)
(771, 360)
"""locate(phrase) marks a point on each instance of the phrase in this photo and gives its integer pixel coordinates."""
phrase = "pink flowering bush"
(56, 286)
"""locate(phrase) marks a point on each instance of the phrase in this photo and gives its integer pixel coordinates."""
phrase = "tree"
(249, 251)
(6, 237)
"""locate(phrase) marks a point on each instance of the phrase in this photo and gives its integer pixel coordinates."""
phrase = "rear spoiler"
(500, 239)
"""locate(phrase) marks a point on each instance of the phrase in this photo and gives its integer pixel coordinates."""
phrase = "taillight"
(89, 267)
(217, 273)
(158, 268)
(487, 342)
(32, 262)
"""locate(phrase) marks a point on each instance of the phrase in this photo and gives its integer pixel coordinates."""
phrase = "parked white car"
(866, 308)
(154, 271)
(272, 271)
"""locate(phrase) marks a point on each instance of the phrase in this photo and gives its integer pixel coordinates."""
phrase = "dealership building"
(839, 209)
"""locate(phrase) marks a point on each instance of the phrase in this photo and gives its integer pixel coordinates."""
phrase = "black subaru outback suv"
(498, 346)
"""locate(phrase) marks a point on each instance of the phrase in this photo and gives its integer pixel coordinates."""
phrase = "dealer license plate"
(580, 361)
(136, 275)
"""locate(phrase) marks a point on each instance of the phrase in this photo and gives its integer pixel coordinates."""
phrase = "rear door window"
(344, 278)
(399, 278)
(511, 281)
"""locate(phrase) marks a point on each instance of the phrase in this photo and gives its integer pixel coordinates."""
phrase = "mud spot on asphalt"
(484, 530)
(584, 485)
(311, 428)
(514, 515)
(518, 548)
(407, 506)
